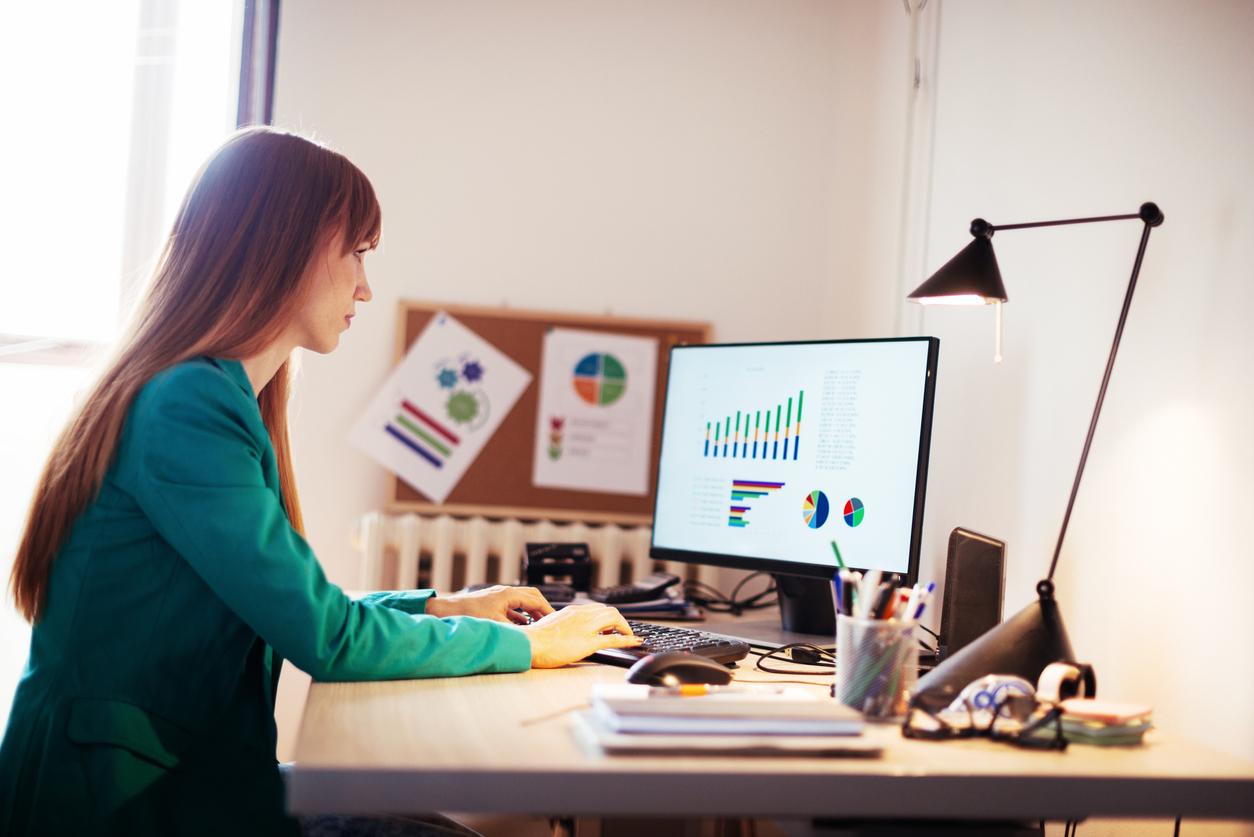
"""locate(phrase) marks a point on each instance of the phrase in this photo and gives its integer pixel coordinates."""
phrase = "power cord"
(799, 653)
(713, 599)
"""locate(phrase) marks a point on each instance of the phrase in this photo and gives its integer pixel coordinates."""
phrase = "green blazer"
(147, 704)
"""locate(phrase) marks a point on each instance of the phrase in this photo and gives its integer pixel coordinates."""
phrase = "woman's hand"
(518, 605)
(574, 632)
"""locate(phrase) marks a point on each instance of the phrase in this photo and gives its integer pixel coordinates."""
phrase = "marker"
(867, 591)
(883, 598)
(895, 602)
(837, 591)
(840, 562)
(853, 582)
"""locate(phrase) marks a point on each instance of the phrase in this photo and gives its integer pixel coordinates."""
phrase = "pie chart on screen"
(854, 511)
(815, 509)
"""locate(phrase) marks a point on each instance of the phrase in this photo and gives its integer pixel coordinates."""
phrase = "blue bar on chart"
(796, 439)
(757, 433)
(775, 446)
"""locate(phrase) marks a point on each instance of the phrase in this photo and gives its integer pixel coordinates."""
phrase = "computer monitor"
(770, 451)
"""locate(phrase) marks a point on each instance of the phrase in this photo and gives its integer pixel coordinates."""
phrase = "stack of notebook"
(1104, 722)
(734, 719)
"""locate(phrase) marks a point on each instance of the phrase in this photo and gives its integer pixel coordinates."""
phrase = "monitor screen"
(771, 451)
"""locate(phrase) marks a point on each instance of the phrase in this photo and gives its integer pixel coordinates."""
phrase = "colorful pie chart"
(853, 511)
(600, 379)
(814, 510)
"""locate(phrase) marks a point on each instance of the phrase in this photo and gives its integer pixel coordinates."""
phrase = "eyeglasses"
(1013, 717)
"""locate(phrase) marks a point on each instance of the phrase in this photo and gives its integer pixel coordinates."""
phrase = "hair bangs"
(358, 213)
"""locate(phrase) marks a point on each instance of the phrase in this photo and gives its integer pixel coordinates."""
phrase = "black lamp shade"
(971, 273)
(1023, 645)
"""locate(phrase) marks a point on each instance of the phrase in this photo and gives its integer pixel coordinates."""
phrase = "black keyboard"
(659, 638)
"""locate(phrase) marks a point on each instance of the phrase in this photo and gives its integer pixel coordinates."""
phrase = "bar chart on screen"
(769, 432)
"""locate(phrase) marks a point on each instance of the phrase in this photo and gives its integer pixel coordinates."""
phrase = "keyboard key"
(658, 638)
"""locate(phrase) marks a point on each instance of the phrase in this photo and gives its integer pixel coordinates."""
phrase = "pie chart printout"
(854, 511)
(815, 509)
(600, 379)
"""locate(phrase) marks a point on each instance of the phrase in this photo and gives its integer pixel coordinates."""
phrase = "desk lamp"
(1034, 637)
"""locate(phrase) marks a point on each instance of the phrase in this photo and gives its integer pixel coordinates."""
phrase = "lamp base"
(1023, 645)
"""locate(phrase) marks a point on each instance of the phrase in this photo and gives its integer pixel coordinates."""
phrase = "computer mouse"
(678, 668)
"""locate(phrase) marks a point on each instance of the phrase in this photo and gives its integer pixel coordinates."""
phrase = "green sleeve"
(198, 471)
(406, 601)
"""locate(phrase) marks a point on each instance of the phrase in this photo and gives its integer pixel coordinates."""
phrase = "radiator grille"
(447, 553)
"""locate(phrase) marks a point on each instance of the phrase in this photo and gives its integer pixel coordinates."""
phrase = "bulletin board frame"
(498, 484)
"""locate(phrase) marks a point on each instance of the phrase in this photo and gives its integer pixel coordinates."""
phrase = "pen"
(922, 603)
(883, 599)
(702, 689)
(867, 590)
(907, 603)
(848, 586)
(837, 580)
(896, 603)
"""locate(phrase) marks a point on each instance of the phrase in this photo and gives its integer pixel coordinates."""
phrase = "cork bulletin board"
(499, 482)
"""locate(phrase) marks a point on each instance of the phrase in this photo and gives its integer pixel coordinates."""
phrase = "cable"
(1176, 833)
(713, 599)
(814, 656)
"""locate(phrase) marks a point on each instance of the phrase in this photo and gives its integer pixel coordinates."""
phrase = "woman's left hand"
(517, 605)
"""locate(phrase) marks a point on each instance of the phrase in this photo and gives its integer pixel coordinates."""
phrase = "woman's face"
(336, 282)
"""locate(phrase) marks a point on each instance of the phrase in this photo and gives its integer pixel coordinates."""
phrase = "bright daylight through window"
(110, 107)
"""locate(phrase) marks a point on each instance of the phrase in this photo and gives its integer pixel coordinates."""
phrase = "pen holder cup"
(877, 665)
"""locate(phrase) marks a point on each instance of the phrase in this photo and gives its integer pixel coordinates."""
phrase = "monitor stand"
(806, 615)
(805, 605)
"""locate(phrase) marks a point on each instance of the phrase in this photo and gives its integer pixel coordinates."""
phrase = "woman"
(162, 563)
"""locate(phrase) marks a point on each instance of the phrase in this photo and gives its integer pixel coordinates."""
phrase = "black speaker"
(974, 579)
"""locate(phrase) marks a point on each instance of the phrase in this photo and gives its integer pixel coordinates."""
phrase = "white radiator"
(410, 550)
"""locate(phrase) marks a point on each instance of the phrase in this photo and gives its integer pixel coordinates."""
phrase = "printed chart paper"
(595, 422)
(439, 407)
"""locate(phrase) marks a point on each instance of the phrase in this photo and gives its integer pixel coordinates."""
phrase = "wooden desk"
(501, 743)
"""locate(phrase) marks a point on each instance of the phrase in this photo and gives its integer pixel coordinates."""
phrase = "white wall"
(696, 160)
(1066, 109)
(640, 157)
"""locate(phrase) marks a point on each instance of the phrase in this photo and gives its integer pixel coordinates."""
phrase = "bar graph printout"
(773, 450)
(439, 406)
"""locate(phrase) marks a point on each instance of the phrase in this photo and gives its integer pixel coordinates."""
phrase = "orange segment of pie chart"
(586, 388)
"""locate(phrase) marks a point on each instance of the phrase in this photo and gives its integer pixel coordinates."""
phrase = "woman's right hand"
(572, 633)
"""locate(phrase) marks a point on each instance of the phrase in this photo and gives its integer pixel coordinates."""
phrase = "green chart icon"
(600, 379)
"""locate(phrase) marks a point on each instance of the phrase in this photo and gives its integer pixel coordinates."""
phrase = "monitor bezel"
(770, 565)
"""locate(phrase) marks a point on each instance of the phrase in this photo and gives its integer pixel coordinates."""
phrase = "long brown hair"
(227, 283)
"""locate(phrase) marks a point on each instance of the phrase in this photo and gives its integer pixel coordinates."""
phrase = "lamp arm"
(1152, 217)
(1066, 221)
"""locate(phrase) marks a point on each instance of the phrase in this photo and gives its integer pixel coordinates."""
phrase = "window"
(119, 103)
(110, 108)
